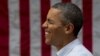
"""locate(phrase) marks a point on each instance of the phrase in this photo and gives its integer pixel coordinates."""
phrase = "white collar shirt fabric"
(75, 48)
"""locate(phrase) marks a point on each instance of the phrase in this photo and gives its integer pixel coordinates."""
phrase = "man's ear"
(69, 28)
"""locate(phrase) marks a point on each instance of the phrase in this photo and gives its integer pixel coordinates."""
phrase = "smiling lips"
(46, 32)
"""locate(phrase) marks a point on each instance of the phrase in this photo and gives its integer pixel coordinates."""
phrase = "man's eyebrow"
(48, 19)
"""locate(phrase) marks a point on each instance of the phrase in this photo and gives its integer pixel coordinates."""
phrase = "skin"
(56, 33)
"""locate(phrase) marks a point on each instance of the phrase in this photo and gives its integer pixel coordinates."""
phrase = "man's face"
(54, 31)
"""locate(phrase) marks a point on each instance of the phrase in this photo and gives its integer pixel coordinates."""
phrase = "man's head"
(64, 20)
(72, 14)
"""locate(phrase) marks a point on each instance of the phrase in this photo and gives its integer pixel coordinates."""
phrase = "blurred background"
(21, 33)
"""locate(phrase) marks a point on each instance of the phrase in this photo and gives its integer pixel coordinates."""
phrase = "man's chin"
(47, 42)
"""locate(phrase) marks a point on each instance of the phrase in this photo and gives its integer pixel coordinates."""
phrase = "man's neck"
(65, 41)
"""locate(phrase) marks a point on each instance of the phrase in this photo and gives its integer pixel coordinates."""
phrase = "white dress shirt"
(75, 48)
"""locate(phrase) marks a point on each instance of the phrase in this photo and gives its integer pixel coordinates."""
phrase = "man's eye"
(50, 21)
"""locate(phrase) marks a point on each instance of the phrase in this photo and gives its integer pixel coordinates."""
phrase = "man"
(64, 21)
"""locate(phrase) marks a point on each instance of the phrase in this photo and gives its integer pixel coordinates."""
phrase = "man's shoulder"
(80, 50)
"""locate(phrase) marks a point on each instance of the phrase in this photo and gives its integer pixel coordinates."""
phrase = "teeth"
(46, 32)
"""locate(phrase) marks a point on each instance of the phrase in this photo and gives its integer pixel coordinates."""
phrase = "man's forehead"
(53, 12)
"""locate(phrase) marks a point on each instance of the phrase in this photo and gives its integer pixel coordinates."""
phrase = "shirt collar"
(66, 49)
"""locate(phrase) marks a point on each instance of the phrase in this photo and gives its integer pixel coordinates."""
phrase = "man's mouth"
(46, 33)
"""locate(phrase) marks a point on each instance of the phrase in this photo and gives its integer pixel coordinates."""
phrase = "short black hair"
(71, 13)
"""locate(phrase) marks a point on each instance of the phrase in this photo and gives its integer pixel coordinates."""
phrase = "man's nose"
(44, 25)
